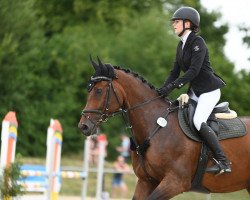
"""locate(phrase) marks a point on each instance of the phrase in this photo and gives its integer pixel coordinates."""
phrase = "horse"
(168, 165)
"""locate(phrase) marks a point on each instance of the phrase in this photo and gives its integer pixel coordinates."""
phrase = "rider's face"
(177, 26)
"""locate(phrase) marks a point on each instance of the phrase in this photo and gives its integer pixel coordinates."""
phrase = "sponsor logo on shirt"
(196, 48)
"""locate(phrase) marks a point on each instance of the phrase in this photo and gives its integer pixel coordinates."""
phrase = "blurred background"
(45, 67)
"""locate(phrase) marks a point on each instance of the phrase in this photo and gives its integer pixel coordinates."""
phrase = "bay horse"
(168, 166)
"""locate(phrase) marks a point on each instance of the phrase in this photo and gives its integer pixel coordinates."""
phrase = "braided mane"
(107, 70)
(128, 71)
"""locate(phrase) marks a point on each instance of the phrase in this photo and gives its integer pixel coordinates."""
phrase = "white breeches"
(205, 105)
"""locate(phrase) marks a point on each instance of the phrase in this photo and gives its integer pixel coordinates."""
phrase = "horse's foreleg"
(142, 190)
(168, 188)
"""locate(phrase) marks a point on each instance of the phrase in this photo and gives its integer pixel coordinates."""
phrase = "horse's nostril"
(83, 127)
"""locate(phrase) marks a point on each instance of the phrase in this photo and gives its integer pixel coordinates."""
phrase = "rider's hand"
(165, 90)
(183, 98)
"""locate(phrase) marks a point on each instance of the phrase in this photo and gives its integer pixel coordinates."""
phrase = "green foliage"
(44, 59)
(9, 185)
(246, 38)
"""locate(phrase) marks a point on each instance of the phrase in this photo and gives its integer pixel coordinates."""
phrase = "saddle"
(225, 124)
(222, 120)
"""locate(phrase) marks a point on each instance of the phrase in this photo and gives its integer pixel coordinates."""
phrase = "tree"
(246, 38)
(44, 58)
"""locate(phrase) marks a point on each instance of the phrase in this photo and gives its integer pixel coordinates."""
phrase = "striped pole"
(8, 139)
(53, 159)
(62, 174)
(100, 171)
(85, 168)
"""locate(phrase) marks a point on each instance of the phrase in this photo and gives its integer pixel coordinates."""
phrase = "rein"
(104, 116)
(144, 103)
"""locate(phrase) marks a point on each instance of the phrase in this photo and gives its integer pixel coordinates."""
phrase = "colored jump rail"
(62, 174)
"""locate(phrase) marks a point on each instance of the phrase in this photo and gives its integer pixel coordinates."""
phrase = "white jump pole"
(208, 197)
(53, 159)
(49, 162)
(85, 168)
(100, 171)
(8, 139)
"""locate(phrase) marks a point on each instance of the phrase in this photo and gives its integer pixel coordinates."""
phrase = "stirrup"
(219, 168)
(224, 169)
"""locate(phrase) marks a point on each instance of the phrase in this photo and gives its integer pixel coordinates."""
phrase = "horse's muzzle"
(85, 128)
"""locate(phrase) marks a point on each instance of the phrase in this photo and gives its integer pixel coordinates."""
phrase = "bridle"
(103, 113)
(104, 116)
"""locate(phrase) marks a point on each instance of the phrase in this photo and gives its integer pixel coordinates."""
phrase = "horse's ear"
(100, 62)
(94, 64)
(103, 67)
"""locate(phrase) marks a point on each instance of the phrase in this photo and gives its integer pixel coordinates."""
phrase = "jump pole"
(53, 159)
(100, 171)
(85, 168)
(8, 139)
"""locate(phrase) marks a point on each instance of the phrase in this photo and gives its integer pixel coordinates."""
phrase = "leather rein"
(104, 116)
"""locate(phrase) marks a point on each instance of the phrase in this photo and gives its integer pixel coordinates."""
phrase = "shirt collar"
(184, 38)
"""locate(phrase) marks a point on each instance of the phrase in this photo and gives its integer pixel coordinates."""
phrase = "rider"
(192, 58)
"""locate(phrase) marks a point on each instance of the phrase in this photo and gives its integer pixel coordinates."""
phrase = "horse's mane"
(107, 70)
(135, 74)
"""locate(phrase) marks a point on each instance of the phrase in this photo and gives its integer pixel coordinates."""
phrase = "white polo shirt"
(184, 38)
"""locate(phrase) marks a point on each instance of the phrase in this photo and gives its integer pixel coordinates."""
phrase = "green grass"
(73, 186)
(241, 195)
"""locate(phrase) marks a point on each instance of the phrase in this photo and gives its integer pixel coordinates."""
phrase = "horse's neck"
(135, 91)
(142, 116)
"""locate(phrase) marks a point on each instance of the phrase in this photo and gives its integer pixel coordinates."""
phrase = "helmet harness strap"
(183, 29)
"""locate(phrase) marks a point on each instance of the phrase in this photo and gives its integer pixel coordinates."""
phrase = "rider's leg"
(205, 104)
(211, 139)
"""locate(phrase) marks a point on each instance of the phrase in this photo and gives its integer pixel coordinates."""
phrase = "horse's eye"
(98, 91)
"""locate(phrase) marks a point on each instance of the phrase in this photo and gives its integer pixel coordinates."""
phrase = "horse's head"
(103, 100)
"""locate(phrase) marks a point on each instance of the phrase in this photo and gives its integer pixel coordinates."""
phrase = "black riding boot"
(211, 139)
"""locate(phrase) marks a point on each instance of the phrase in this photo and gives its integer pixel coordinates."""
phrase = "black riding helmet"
(188, 13)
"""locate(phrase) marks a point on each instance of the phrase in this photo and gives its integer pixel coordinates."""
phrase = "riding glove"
(166, 89)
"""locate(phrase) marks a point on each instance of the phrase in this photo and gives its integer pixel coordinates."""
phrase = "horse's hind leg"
(248, 189)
